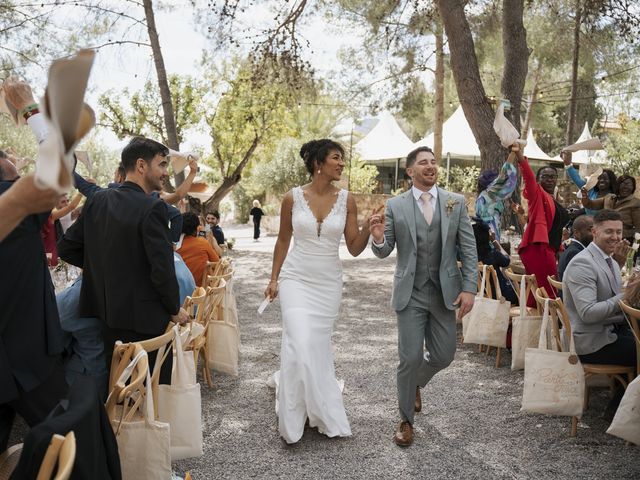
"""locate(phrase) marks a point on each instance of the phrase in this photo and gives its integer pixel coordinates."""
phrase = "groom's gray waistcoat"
(429, 242)
(435, 256)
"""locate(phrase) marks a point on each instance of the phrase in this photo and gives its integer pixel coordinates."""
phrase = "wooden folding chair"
(558, 313)
(210, 269)
(211, 309)
(555, 283)
(61, 452)
(633, 317)
(129, 396)
(155, 345)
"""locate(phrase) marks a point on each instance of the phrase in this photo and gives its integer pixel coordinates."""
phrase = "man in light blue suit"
(431, 229)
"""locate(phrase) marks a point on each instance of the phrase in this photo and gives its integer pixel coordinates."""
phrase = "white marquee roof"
(385, 141)
(457, 137)
(532, 150)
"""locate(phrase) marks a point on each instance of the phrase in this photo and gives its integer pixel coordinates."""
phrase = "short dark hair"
(606, 216)
(215, 213)
(545, 167)
(121, 171)
(581, 221)
(190, 222)
(413, 154)
(141, 147)
(623, 178)
(315, 152)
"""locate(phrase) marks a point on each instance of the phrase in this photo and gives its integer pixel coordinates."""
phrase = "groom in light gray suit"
(431, 229)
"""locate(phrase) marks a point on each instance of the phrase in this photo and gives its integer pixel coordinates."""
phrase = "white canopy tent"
(457, 137)
(385, 141)
(385, 145)
(532, 150)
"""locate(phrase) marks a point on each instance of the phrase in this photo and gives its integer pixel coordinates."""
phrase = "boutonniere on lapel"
(450, 204)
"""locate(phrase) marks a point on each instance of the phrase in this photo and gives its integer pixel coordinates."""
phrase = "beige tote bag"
(187, 334)
(488, 320)
(223, 345)
(143, 443)
(626, 422)
(553, 381)
(180, 405)
(525, 332)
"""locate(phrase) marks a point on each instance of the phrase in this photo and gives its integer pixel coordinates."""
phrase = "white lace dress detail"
(310, 292)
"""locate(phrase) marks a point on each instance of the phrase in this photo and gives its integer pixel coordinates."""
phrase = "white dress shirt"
(417, 194)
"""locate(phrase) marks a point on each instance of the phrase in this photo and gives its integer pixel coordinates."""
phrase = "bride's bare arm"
(355, 237)
(282, 244)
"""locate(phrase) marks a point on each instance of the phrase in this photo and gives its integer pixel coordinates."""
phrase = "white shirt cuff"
(38, 126)
(378, 245)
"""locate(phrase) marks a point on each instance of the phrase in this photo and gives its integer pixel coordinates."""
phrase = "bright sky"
(182, 44)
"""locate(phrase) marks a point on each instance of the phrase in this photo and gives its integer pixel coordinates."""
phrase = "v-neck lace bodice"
(313, 237)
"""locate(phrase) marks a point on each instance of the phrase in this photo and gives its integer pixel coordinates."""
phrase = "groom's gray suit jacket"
(457, 239)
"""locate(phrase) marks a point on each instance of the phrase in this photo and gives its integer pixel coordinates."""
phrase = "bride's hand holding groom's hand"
(272, 290)
(376, 224)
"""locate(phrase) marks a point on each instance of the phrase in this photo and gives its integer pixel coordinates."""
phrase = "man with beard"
(122, 242)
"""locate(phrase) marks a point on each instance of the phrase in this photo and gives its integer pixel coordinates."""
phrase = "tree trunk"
(439, 100)
(573, 103)
(464, 66)
(516, 57)
(163, 84)
(232, 180)
(532, 101)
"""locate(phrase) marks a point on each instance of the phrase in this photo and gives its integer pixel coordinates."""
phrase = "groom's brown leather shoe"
(404, 434)
(418, 404)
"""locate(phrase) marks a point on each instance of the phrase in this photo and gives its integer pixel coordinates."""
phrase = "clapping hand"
(621, 251)
(376, 224)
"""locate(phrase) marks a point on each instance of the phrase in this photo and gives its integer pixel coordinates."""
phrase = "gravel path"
(470, 425)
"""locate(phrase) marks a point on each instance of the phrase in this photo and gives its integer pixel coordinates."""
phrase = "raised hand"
(376, 224)
(566, 157)
(18, 93)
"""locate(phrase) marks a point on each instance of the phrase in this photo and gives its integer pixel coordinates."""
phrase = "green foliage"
(103, 160)
(18, 139)
(283, 170)
(243, 196)
(140, 113)
(463, 179)
(622, 149)
(362, 177)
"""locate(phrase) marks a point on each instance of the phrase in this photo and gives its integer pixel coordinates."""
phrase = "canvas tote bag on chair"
(488, 321)
(180, 405)
(553, 381)
(525, 333)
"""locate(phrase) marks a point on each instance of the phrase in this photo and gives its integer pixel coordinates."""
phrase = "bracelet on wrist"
(27, 115)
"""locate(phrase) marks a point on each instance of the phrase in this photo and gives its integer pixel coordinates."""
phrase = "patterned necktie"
(610, 263)
(427, 209)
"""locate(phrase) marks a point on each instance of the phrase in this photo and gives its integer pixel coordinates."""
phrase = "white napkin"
(506, 132)
(179, 160)
(591, 144)
(68, 118)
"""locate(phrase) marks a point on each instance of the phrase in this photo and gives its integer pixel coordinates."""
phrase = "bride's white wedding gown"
(310, 291)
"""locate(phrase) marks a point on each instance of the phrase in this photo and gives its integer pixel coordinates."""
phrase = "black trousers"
(110, 335)
(34, 406)
(620, 352)
(256, 228)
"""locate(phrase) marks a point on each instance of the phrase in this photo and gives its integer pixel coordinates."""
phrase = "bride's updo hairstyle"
(315, 152)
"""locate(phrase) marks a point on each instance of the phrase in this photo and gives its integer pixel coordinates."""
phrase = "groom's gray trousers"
(425, 321)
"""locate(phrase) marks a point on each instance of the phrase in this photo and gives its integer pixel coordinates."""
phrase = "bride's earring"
(318, 172)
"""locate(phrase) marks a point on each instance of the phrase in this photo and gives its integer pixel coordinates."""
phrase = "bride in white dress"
(309, 279)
